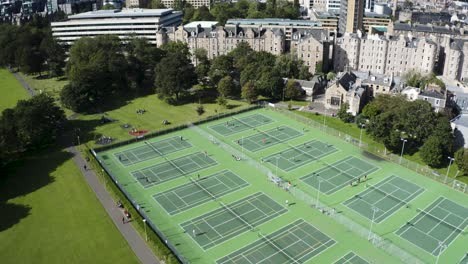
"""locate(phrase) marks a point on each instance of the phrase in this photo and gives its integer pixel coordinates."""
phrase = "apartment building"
(194, 3)
(143, 23)
(456, 62)
(311, 45)
(385, 55)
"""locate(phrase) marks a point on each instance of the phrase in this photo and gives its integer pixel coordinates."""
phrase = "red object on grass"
(138, 133)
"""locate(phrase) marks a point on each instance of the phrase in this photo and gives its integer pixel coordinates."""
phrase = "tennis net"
(455, 228)
(252, 228)
(203, 189)
(387, 194)
(170, 161)
(277, 248)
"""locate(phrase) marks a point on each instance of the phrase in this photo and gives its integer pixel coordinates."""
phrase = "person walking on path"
(123, 219)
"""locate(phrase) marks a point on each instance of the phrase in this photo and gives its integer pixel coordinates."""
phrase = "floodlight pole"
(402, 148)
(441, 248)
(360, 136)
(146, 234)
(318, 191)
(374, 209)
(448, 169)
(243, 157)
(78, 137)
(277, 158)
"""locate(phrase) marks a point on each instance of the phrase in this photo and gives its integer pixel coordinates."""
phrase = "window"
(335, 101)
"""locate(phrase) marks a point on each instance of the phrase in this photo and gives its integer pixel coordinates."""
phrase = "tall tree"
(292, 90)
(226, 86)
(461, 159)
(54, 55)
(220, 66)
(175, 74)
(249, 92)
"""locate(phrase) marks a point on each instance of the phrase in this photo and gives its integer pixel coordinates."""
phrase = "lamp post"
(360, 136)
(402, 148)
(277, 158)
(374, 209)
(448, 169)
(442, 247)
(146, 234)
(318, 191)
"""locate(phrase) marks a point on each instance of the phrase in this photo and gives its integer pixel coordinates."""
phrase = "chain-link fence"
(381, 153)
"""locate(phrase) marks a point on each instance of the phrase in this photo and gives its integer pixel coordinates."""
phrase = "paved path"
(136, 242)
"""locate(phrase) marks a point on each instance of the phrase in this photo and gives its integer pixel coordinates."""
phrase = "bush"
(200, 110)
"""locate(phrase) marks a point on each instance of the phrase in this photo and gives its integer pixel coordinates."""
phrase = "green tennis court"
(435, 227)
(230, 220)
(171, 169)
(386, 197)
(351, 258)
(299, 155)
(235, 125)
(266, 139)
(151, 150)
(336, 176)
(294, 243)
(189, 195)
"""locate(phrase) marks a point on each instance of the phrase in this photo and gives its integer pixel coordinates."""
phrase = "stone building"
(385, 55)
(456, 64)
(346, 88)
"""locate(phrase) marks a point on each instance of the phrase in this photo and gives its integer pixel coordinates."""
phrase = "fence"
(378, 241)
(381, 153)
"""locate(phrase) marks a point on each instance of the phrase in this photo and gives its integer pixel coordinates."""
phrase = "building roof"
(116, 13)
(432, 94)
(375, 15)
(426, 28)
(202, 24)
(347, 80)
(274, 22)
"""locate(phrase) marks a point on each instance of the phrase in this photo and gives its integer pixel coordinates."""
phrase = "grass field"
(50, 215)
(11, 90)
(209, 220)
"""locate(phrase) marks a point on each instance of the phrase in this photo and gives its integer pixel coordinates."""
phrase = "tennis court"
(294, 243)
(172, 169)
(351, 258)
(230, 220)
(299, 155)
(189, 195)
(151, 150)
(265, 139)
(386, 197)
(235, 125)
(336, 176)
(435, 227)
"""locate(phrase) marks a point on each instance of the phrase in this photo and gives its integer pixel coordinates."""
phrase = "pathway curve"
(136, 242)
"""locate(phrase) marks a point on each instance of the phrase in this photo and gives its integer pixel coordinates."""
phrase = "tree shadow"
(372, 156)
(24, 177)
(83, 130)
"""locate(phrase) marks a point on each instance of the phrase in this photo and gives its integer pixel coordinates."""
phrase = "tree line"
(222, 11)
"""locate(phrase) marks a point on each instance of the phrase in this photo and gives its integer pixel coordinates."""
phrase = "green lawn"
(10, 89)
(51, 215)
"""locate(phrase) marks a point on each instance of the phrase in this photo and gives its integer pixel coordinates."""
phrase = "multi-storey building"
(383, 55)
(456, 62)
(194, 3)
(351, 14)
(143, 23)
(375, 20)
(311, 45)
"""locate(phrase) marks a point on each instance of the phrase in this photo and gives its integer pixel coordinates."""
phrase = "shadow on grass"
(24, 177)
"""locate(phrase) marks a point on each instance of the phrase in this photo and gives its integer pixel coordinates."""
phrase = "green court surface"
(299, 155)
(334, 177)
(230, 220)
(385, 198)
(172, 169)
(351, 258)
(294, 243)
(210, 207)
(435, 227)
(268, 138)
(189, 195)
(235, 125)
(151, 149)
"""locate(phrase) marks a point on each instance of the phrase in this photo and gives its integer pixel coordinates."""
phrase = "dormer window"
(241, 34)
(230, 34)
(194, 33)
(213, 34)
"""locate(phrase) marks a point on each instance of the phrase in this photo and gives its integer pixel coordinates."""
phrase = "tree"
(344, 115)
(97, 72)
(370, 110)
(200, 110)
(319, 68)
(177, 47)
(270, 84)
(202, 14)
(461, 159)
(203, 63)
(226, 86)
(249, 92)
(220, 66)
(108, 7)
(221, 100)
(292, 90)
(331, 76)
(54, 55)
(175, 74)
(432, 152)
(157, 4)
